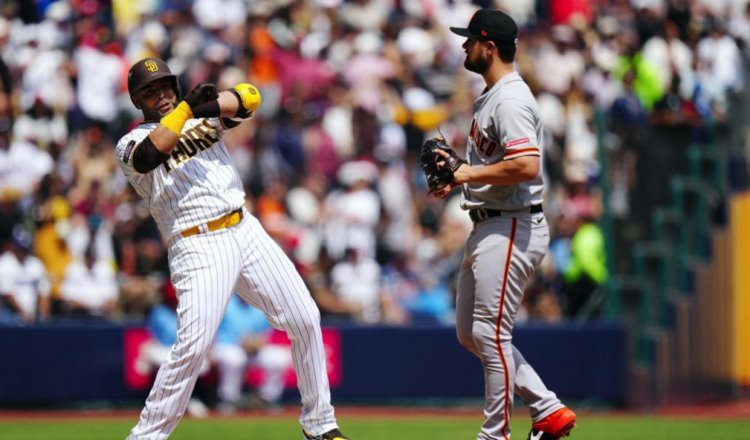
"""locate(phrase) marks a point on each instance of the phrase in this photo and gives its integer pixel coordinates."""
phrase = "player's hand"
(201, 94)
(442, 192)
(460, 174)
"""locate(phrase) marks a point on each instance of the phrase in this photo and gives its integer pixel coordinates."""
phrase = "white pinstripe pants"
(206, 269)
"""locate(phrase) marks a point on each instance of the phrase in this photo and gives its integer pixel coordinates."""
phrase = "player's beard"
(154, 114)
(478, 65)
(151, 115)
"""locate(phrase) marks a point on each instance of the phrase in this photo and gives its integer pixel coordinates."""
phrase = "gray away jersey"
(506, 125)
(197, 183)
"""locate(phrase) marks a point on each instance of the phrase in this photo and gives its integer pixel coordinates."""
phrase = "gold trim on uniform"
(223, 222)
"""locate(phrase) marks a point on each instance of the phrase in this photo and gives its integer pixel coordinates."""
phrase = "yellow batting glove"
(249, 97)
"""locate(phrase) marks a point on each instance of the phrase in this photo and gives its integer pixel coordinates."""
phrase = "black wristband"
(208, 109)
(242, 112)
(229, 123)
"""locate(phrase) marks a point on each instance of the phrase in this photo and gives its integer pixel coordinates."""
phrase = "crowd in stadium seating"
(350, 89)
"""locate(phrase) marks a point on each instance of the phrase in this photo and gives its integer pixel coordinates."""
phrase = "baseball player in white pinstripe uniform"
(177, 161)
(502, 186)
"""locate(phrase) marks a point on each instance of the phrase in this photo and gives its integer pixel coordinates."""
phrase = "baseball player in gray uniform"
(177, 161)
(502, 186)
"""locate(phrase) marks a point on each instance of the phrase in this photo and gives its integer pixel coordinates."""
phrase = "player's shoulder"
(516, 95)
(138, 133)
(126, 143)
(516, 89)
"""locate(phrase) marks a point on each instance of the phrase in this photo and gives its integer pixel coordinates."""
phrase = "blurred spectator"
(6, 81)
(628, 114)
(53, 225)
(400, 281)
(633, 66)
(350, 214)
(93, 164)
(161, 323)
(560, 56)
(669, 55)
(242, 340)
(316, 275)
(541, 303)
(719, 59)
(100, 68)
(355, 281)
(350, 89)
(433, 301)
(587, 269)
(41, 126)
(89, 287)
(24, 285)
(22, 165)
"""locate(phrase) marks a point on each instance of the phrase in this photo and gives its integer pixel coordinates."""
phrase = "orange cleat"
(554, 426)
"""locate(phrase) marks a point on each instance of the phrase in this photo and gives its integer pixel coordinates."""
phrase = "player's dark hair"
(507, 52)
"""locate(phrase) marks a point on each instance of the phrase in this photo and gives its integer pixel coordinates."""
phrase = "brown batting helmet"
(146, 71)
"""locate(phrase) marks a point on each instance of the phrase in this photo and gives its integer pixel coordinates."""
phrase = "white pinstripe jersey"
(506, 125)
(197, 183)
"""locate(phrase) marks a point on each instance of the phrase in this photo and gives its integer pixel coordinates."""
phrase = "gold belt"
(226, 221)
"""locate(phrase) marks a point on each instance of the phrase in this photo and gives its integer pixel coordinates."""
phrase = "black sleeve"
(146, 157)
(229, 123)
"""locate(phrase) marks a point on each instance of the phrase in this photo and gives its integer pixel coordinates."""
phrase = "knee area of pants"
(481, 337)
(466, 340)
(304, 322)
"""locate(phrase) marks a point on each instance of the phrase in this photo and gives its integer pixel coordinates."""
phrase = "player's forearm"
(154, 149)
(164, 139)
(505, 172)
(228, 104)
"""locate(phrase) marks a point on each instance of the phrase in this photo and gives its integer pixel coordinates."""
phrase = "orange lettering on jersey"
(474, 131)
(488, 147)
(484, 145)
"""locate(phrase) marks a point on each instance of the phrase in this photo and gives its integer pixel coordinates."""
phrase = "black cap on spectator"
(490, 24)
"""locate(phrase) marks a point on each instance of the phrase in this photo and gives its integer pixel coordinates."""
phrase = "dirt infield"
(724, 411)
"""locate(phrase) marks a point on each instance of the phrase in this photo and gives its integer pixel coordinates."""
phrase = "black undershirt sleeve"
(242, 112)
(146, 157)
(229, 123)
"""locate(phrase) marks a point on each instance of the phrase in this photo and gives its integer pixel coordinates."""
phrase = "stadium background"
(642, 303)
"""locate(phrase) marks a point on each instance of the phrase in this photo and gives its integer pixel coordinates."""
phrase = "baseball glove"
(438, 176)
